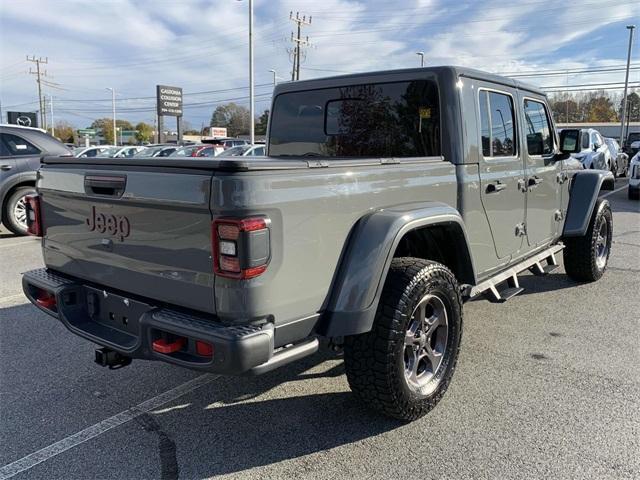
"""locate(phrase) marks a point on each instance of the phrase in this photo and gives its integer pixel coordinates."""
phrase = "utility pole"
(299, 42)
(113, 111)
(626, 83)
(53, 128)
(39, 74)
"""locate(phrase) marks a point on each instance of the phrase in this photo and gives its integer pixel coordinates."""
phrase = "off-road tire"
(581, 254)
(633, 193)
(614, 169)
(375, 361)
(8, 217)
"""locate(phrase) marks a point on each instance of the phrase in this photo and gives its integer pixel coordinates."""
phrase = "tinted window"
(484, 123)
(497, 125)
(377, 120)
(538, 129)
(18, 146)
(258, 151)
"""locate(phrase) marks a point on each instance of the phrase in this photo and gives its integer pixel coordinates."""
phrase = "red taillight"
(34, 218)
(241, 247)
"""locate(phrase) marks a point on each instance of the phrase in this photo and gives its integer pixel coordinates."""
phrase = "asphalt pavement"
(547, 386)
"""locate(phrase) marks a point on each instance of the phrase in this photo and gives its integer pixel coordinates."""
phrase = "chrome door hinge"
(521, 230)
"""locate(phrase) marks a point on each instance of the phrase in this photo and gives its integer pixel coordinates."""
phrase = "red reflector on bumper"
(204, 349)
(162, 346)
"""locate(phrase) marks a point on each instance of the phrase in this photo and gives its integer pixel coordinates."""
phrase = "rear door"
(543, 172)
(501, 169)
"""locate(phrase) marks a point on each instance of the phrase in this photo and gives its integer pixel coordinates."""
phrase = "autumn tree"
(64, 131)
(144, 132)
(106, 126)
(234, 117)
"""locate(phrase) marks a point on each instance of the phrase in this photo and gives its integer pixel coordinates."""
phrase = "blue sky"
(202, 46)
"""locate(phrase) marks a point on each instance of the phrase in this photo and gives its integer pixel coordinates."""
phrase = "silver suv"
(594, 153)
(21, 149)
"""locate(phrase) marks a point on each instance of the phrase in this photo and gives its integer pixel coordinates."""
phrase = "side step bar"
(510, 276)
(287, 355)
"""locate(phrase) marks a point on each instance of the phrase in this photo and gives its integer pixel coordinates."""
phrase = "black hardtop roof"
(390, 75)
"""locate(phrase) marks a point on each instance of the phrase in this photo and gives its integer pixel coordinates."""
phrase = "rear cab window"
(395, 119)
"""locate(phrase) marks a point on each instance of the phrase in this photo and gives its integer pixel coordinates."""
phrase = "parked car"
(87, 152)
(634, 177)
(594, 152)
(619, 160)
(226, 142)
(122, 152)
(199, 150)
(21, 149)
(389, 199)
(157, 151)
(632, 144)
(245, 151)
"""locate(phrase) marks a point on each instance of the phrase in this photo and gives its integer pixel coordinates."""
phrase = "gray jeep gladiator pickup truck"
(386, 201)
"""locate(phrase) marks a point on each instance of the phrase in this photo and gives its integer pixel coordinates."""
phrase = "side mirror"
(570, 140)
(595, 147)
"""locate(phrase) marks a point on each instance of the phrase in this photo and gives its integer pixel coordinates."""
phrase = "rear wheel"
(403, 366)
(633, 193)
(586, 257)
(614, 169)
(14, 215)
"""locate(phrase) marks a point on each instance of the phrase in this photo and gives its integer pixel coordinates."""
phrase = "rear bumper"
(130, 326)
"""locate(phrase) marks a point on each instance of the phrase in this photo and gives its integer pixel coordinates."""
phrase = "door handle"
(6, 167)
(534, 181)
(496, 187)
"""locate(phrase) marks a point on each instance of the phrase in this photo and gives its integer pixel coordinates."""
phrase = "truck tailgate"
(142, 230)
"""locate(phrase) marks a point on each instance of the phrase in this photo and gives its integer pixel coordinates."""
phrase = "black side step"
(287, 355)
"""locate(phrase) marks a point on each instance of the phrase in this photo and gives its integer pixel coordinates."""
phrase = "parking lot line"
(15, 244)
(613, 191)
(93, 431)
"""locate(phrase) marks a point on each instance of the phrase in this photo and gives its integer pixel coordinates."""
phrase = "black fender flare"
(357, 287)
(585, 188)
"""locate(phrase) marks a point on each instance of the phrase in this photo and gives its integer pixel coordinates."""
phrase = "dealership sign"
(24, 119)
(169, 100)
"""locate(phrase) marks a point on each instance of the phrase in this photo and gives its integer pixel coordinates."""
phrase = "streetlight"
(113, 107)
(252, 132)
(626, 83)
(274, 76)
(421, 58)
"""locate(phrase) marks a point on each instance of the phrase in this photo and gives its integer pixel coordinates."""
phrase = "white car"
(634, 177)
(84, 152)
(258, 150)
(121, 152)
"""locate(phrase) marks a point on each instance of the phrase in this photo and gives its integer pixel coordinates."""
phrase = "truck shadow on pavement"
(237, 424)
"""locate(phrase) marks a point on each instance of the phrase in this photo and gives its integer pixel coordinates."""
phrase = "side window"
(497, 123)
(538, 129)
(258, 151)
(4, 151)
(484, 123)
(18, 146)
(585, 140)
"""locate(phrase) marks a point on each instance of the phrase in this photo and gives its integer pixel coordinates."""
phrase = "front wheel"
(586, 257)
(14, 214)
(403, 366)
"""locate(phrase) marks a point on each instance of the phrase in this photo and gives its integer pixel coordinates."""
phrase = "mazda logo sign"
(23, 120)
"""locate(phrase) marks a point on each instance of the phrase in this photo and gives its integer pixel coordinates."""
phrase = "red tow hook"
(46, 300)
(161, 345)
